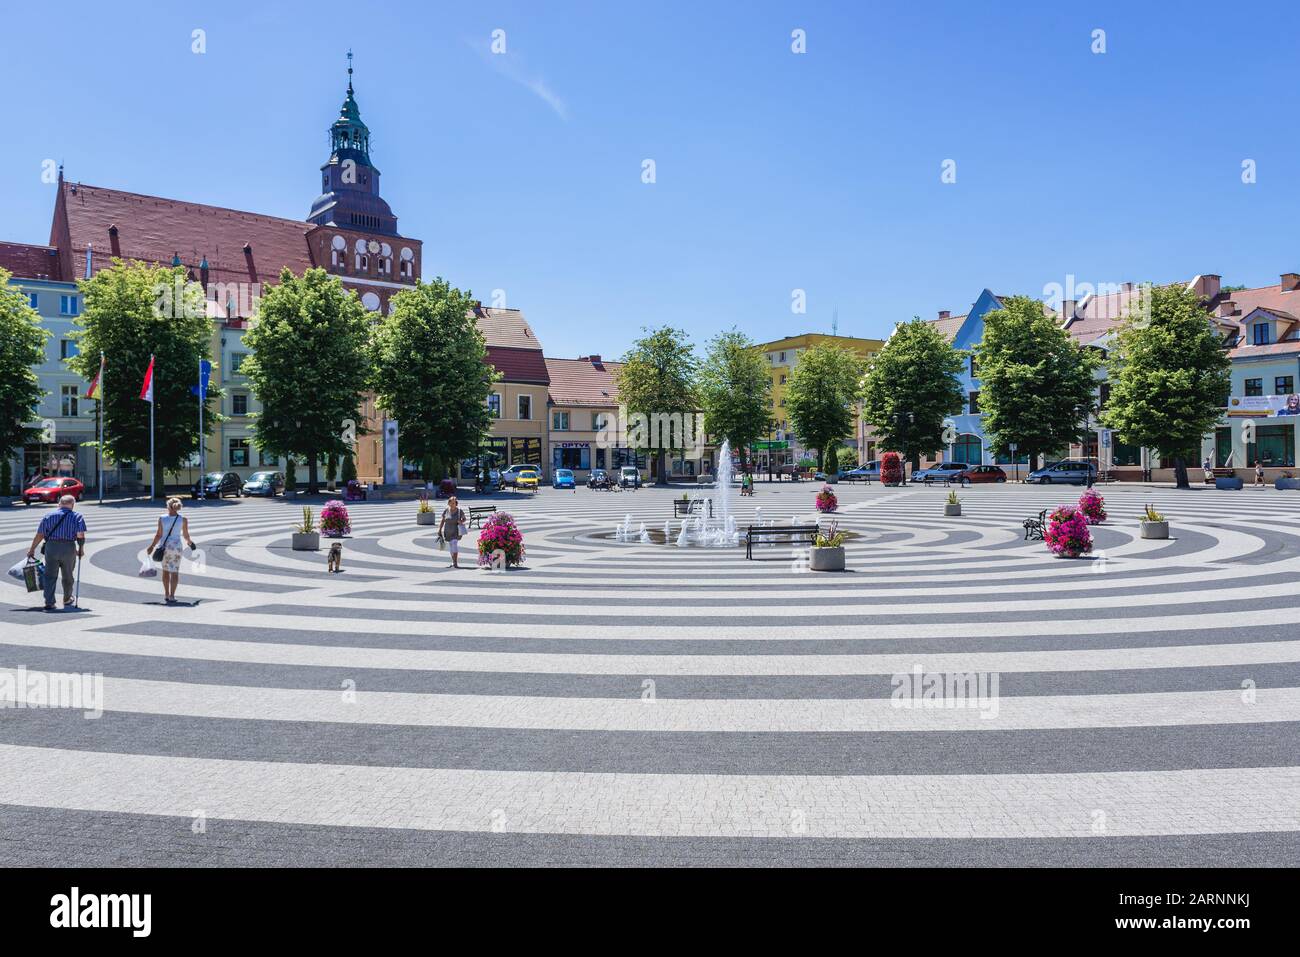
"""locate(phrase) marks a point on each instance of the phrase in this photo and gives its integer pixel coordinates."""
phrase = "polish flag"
(146, 390)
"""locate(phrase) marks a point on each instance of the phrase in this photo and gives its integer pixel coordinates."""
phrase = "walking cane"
(76, 595)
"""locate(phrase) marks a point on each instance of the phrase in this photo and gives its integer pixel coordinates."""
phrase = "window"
(1261, 333)
(363, 262)
(385, 265)
(599, 421)
(33, 300)
(968, 449)
(783, 357)
(1103, 395)
(336, 257)
(67, 349)
(265, 458)
(70, 394)
(560, 423)
(1254, 387)
(783, 380)
(239, 403)
(407, 268)
(972, 367)
(237, 360)
(494, 404)
(238, 453)
(579, 458)
(975, 403)
(525, 407)
(1274, 445)
(69, 306)
(1283, 385)
(1122, 453)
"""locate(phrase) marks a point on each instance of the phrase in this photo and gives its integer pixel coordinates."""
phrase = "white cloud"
(513, 67)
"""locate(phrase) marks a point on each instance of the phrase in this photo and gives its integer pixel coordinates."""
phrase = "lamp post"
(1015, 459)
(1085, 413)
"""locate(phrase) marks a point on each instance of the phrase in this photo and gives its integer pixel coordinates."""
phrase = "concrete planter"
(1287, 483)
(1155, 529)
(291, 493)
(309, 542)
(952, 511)
(1232, 484)
(426, 518)
(828, 559)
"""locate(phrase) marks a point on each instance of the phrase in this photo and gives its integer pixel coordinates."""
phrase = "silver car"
(1067, 472)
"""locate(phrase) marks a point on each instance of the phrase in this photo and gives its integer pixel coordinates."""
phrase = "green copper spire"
(348, 132)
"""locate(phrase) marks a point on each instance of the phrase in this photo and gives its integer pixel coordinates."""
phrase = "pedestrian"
(451, 527)
(1259, 472)
(1209, 470)
(64, 534)
(172, 529)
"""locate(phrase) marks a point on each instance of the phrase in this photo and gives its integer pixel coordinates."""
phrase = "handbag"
(161, 550)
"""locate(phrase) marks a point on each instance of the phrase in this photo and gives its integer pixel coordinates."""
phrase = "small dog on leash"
(335, 561)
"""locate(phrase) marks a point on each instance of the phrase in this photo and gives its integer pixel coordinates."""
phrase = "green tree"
(134, 310)
(735, 388)
(910, 388)
(432, 374)
(820, 393)
(1168, 376)
(308, 366)
(1034, 380)
(22, 347)
(657, 380)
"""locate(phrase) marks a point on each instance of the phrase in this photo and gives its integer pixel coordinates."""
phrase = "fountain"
(709, 522)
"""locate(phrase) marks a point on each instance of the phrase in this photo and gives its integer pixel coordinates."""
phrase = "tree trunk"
(313, 473)
(1180, 473)
(661, 467)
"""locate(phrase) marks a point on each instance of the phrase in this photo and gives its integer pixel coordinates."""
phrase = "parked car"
(528, 478)
(976, 474)
(563, 478)
(52, 489)
(1066, 472)
(869, 471)
(598, 478)
(218, 485)
(944, 470)
(509, 475)
(263, 483)
(629, 476)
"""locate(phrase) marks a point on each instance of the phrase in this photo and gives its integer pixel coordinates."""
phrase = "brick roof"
(154, 229)
(519, 365)
(27, 261)
(588, 381)
(949, 327)
(1281, 302)
(506, 327)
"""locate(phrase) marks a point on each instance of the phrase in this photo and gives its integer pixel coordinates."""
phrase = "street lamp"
(1015, 459)
(1085, 413)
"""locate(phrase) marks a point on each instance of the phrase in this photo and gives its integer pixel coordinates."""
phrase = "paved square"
(620, 703)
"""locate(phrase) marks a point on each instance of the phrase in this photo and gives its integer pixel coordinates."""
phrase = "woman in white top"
(172, 529)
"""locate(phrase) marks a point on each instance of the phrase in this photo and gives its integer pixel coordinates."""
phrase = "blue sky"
(775, 171)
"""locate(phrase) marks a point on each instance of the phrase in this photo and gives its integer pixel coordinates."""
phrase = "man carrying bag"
(64, 534)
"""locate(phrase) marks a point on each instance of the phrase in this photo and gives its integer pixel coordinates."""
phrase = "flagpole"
(153, 464)
(203, 450)
(101, 426)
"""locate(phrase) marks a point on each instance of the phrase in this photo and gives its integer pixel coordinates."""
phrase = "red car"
(980, 473)
(50, 490)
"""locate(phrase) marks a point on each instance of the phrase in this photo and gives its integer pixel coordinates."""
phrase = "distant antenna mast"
(835, 322)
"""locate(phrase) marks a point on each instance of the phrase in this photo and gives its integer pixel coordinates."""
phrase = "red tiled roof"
(949, 327)
(583, 382)
(154, 229)
(519, 365)
(1282, 303)
(27, 261)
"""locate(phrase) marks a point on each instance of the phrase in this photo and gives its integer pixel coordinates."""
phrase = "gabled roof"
(239, 246)
(27, 261)
(589, 381)
(505, 327)
(949, 326)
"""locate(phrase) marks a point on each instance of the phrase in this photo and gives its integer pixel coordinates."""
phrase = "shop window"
(572, 458)
(239, 453)
(1125, 454)
(267, 459)
(1274, 445)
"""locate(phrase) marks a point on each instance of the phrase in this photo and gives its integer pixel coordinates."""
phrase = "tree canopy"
(735, 387)
(820, 394)
(22, 348)
(658, 379)
(911, 387)
(308, 365)
(1036, 382)
(1168, 376)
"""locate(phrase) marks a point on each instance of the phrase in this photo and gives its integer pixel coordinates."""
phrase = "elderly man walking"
(64, 532)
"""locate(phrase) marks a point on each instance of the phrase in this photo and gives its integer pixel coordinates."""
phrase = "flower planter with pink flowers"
(1093, 507)
(1067, 533)
(826, 500)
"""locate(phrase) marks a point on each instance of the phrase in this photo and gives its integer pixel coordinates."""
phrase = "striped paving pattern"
(619, 703)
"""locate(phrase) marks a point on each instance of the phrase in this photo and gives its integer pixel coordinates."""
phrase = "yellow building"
(782, 357)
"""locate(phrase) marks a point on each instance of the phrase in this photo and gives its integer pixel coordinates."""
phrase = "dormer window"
(1261, 333)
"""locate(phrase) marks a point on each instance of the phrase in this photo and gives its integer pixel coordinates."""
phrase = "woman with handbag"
(451, 528)
(166, 546)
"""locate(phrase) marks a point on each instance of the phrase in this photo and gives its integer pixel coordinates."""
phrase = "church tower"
(349, 196)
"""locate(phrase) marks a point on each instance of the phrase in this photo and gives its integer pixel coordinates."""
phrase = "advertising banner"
(1263, 406)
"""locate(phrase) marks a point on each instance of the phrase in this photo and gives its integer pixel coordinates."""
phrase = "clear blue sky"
(775, 171)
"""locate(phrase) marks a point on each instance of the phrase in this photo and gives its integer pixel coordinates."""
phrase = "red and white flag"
(93, 391)
(146, 390)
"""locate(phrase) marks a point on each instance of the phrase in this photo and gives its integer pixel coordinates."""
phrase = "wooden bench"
(1218, 473)
(1035, 527)
(791, 533)
(476, 513)
(681, 508)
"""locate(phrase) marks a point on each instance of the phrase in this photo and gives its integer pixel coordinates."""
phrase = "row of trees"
(1167, 373)
(732, 387)
(314, 352)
